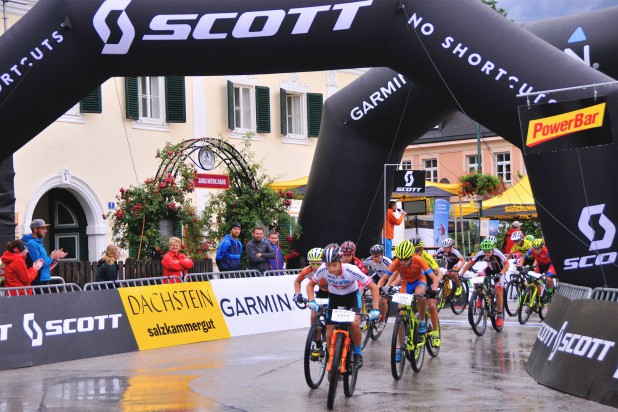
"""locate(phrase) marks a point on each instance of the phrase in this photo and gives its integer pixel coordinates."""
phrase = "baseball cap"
(38, 223)
(516, 224)
(234, 224)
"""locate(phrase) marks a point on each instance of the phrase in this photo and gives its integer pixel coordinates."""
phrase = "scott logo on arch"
(597, 242)
(201, 27)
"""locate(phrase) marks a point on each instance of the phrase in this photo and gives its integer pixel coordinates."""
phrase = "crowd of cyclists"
(341, 277)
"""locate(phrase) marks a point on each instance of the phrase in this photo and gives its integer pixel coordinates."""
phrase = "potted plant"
(480, 184)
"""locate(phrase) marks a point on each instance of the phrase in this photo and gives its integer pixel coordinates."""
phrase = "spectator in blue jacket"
(230, 249)
(277, 262)
(37, 251)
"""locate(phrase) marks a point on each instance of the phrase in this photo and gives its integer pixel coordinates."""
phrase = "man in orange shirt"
(389, 227)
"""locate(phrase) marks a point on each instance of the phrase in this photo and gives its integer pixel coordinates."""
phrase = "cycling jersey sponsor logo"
(597, 243)
(181, 26)
(67, 326)
(573, 343)
(124, 24)
(549, 128)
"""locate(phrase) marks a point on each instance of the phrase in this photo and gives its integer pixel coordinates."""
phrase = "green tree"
(494, 5)
(259, 206)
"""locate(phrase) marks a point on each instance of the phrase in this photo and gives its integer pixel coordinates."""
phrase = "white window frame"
(73, 115)
(148, 122)
(470, 167)
(74, 236)
(431, 169)
(301, 137)
(406, 165)
(57, 215)
(504, 164)
(245, 105)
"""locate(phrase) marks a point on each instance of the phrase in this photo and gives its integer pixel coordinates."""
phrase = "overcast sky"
(531, 10)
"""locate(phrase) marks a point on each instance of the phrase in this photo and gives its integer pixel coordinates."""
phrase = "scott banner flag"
(408, 181)
(564, 125)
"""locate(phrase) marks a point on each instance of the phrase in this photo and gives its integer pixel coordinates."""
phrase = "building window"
(472, 163)
(431, 169)
(406, 165)
(151, 92)
(243, 107)
(503, 166)
(294, 114)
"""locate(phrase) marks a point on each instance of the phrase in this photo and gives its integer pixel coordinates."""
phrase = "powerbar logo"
(549, 128)
(574, 344)
(181, 26)
(67, 326)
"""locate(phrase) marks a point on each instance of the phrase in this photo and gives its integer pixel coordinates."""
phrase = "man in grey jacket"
(259, 251)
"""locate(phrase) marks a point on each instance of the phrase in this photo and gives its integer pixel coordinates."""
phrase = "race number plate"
(477, 280)
(534, 274)
(341, 315)
(403, 298)
(321, 301)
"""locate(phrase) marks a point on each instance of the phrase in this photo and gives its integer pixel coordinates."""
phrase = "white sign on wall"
(258, 305)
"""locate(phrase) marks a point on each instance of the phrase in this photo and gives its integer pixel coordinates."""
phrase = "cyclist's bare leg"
(499, 298)
(383, 308)
(453, 275)
(433, 311)
(355, 331)
(329, 333)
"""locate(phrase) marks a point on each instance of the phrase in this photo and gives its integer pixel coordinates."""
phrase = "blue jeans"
(388, 247)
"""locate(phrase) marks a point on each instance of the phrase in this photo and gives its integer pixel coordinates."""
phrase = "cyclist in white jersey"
(378, 264)
(343, 291)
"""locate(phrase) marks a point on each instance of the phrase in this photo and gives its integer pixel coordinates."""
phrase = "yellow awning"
(289, 184)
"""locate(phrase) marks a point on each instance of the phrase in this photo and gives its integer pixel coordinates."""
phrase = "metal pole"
(4, 13)
(384, 204)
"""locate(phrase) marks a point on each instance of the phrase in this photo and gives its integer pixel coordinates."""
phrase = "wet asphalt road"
(265, 373)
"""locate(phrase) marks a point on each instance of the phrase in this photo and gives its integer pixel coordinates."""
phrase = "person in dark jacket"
(259, 251)
(107, 267)
(229, 250)
(277, 262)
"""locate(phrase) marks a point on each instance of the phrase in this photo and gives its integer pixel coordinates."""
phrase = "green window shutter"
(262, 112)
(284, 112)
(131, 98)
(92, 102)
(175, 106)
(178, 229)
(230, 105)
(315, 104)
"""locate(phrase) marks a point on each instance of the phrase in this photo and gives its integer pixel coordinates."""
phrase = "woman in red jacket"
(174, 262)
(16, 272)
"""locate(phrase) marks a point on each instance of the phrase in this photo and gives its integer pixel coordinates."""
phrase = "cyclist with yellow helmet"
(520, 245)
(540, 254)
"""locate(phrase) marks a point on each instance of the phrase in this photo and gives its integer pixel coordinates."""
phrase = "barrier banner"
(575, 350)
(258, 305)
(173, 314)
(564, 125)
(41, 329)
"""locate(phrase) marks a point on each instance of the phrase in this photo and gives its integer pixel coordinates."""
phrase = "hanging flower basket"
(480, 184)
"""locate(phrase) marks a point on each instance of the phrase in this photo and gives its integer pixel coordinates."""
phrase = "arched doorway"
(75, 214)
(62, 211)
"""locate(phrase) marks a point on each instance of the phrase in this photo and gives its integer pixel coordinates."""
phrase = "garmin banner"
(41, 329)
(576, 349)
(565, 125)
(259, 305)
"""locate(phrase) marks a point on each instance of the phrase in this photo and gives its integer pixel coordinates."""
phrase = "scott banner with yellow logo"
(173, 314)
(564, 125)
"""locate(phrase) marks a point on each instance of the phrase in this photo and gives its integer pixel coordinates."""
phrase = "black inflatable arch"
(459, 53)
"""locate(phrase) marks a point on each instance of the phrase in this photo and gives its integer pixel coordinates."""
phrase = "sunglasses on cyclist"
(406, 260)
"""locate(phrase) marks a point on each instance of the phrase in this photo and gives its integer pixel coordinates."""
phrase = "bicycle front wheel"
(315, 367)
(526, 306)
(398, 367)
(418, 343)
(377, 332)
(433, 337)
(335, 372)
(512, 296)
(459, 303)
(349, 379)
(366, 328)
(544, 306)
(476, 314)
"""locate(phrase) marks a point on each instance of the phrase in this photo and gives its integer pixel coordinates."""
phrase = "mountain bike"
(340, 357)
(378, 328)
(535, 298)
(514, 290)
(413, 344)
(366, 325)
(315, 366)
(446, 294)
(483, 304)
